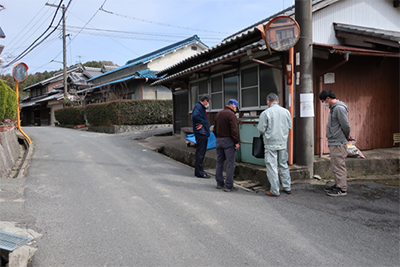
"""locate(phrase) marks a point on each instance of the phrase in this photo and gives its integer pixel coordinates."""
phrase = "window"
(230, 87)
(249, 87)
(222, 88)
(216, 93)
(270, 82)
(257, 82)
(197, 89)
(193, 94)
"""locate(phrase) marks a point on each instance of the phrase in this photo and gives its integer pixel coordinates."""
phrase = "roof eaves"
(164, 50)
(374, 32)
(290, 11)
(143, 74)
(210, 62)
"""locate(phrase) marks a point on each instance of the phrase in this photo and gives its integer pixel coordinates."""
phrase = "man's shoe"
(268, 193)
(336, 192)
(230, 189)
(220, 185)
(288, 191)
(329, 188)
(205, 176)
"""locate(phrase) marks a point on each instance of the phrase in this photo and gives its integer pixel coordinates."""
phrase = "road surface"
(104, 200)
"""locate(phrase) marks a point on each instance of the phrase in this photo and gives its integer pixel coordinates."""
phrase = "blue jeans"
(225, 151)
(273, 160)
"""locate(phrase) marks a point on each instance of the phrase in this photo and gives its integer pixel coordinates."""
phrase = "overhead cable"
(34, 45)
(159, 23)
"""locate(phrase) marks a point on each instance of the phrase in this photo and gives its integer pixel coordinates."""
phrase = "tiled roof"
(211, 61)
(142, 74)
(57, 76)
(366, 31)
(164, 50)
(152, 55)
(2, 34)
(238, 37)
(91, 72)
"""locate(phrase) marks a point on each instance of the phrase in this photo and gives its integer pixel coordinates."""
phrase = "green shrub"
(8, 102)
(70, 116)
(130, 112)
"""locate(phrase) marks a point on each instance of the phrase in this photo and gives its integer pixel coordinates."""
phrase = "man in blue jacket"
(337, 133)
(201, 130)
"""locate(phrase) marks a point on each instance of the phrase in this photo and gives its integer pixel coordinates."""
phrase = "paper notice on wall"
(306, 105)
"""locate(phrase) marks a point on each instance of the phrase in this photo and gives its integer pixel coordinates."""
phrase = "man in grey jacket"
(337, 133)
(274, 124)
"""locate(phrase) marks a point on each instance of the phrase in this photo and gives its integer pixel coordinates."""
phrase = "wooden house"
(355, 54)
(47, 96)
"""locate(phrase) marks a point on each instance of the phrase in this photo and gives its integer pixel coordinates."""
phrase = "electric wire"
(30, 30)
(34, 45)
(87, 23)
(176, 35)
(141, 38)
(159, 23)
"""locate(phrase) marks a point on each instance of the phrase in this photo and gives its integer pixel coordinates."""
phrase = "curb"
(21, 256)
(27, 159)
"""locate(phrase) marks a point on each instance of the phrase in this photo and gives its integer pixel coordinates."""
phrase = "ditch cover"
(11, 242)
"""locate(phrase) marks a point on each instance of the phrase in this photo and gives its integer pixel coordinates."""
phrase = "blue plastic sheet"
(211, 142)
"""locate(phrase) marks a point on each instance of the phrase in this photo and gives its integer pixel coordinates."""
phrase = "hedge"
(70, 115)
(8, 102)
(130, 112)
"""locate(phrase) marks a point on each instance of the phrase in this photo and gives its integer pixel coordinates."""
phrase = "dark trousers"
(225, 151)
(201, 148)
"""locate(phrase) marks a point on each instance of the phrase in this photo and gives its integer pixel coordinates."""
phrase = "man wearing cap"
(274, 124)
(227, 133)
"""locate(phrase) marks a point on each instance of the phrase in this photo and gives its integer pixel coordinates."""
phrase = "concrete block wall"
(9, 151)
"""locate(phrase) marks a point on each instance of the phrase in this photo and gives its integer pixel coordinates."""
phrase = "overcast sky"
(119, 30)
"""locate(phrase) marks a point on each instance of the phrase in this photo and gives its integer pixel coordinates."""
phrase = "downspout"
(346, 59)
(145, 81)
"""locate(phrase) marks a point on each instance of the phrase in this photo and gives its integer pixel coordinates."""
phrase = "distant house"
(355, 53)
(132, 80)
(47, 96)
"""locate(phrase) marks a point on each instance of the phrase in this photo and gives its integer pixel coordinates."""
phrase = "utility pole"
(64, 54)
(304, 86)
(64, 49)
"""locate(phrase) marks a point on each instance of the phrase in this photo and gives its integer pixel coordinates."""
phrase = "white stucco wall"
(378, 14)
(54, 105)
(174, 57)
(157, 92)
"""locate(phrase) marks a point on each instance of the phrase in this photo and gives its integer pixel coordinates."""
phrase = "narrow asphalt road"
(104, 200)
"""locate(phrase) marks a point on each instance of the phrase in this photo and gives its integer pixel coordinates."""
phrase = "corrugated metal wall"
(368, 13)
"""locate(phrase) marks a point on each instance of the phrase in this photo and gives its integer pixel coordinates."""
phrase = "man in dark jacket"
(337, 132)
(201, 130)
(226, 131)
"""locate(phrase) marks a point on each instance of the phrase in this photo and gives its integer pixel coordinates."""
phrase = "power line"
(159, 23)
(34, 45)
(92, 31)
(109, 37)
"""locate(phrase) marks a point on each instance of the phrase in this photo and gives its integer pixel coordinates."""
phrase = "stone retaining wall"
(9, 151)
(126, 128)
